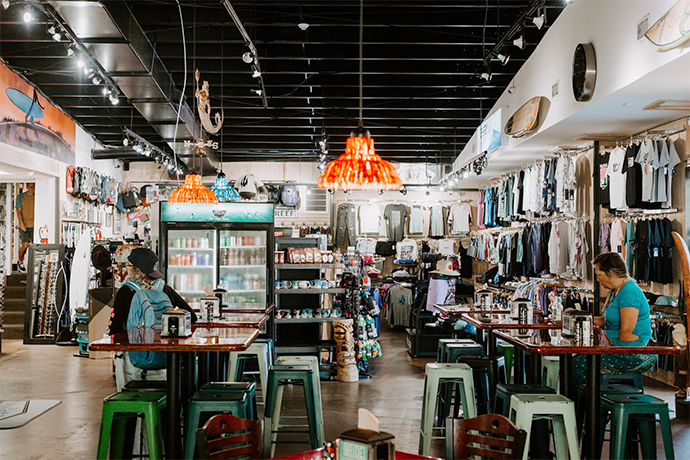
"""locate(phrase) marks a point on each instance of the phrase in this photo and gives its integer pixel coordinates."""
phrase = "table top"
(317, 455)
(495, 320)
(235, 320)
(459, 309)
(552, 342)
(204, 339)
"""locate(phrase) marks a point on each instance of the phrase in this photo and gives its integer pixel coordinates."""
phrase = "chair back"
(684, 255)
(227, 436)
(486, 436)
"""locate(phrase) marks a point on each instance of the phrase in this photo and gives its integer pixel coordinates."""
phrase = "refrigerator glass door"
(191, 263)
(243, 271)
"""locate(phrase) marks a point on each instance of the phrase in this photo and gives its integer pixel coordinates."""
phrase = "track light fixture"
(504, 58)
(247, 57)
(520, 41)
(257, 92)
(539, 21)
(96, 80)
(70, 51)
(5, 4)
(28, 17)
(55, 34)
(114, 99)
(256, 73)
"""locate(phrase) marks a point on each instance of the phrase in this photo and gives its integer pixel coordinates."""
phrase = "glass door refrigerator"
(225, 246)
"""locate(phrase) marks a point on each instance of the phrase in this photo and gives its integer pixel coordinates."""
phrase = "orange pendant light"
(360, 168)
(193, 191)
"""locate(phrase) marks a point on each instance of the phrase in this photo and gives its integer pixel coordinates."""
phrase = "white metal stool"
(550, 367)
(264, 355)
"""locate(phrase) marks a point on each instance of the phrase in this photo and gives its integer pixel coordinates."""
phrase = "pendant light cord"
(361, 35)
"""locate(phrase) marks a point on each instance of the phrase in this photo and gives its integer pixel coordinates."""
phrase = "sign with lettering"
(285, 212)
(352, 451)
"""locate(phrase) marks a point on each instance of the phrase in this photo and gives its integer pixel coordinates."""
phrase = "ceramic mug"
(304, 284)
(294, 284)
(316, 284)
(325, 284)
(278, 284)
(335, 313)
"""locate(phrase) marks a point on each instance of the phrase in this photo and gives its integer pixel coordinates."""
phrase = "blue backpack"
(146, 312)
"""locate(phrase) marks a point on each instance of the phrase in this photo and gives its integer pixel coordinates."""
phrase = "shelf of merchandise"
(304, 347)
(189, 249)
(260, 246)
(190, 292)
(307, 266)
(243, 266)
(245, 290)
(307, 320)
(190, 266)
(311, 291)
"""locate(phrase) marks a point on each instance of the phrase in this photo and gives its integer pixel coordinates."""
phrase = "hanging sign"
(490, 133)
(285, 212)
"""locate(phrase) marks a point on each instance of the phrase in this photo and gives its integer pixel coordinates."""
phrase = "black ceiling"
(422, 99)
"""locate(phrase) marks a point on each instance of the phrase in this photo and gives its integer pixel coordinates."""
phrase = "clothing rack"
(643, 212)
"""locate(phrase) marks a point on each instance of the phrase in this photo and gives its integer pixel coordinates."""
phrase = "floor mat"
(14, 414)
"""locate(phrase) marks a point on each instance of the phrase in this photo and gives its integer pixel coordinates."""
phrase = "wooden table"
(255, 320)
(459, 309)
(493, 320)
(318, 455)
(547, 342)
(204, 339)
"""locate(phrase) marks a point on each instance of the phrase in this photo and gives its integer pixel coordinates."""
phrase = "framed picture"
(117, 222)
(108, 220)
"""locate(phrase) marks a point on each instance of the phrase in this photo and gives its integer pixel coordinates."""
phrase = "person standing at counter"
(625, 319)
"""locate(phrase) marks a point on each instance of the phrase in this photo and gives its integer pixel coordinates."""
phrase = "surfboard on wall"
(79, 279)
(525, 119)
(673, 28)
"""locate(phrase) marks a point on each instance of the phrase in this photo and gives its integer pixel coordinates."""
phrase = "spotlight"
(380, 192)
(257, 91)
(504, 58)
(511, 88)
(247, 57)
(485, 76)
(125, 141)
(5, 4)
(520, 42)
(80, 62)
(466, 174)
(114, 99)
(70, 51)
(54, 33)
(403, 190)
(303, 25)
(137, 148)
(256, 73)
(106, 90)
(28, 17)
(96, 80)
(87, 71)
(539, 21)
(147, 151)
(322, 166)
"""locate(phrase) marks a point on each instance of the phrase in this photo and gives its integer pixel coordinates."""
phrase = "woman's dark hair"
(611, 262)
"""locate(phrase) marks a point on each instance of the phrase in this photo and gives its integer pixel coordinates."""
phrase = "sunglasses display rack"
(44, 292)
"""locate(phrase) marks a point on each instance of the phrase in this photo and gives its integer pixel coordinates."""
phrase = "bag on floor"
(146, 314)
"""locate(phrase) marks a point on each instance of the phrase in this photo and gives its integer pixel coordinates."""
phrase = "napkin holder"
(210, 307)
(365, 442)
(571, 320)
(516, 305)
(483, 298)
(176, 323)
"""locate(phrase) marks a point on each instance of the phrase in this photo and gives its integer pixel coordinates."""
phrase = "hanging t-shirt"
(369, 219)
(399, 300)
(446, 247)
(605, 237)
(602, 189)
(616, 176)
(630, 246)
(633, 177)
(395, 215)
(406, 250)
(661, 174)
(416, 220)
(441, 291)
(480, 210)
(648, 159)
(438, 227)
(459, 218)
(674, 160)
(617, 236)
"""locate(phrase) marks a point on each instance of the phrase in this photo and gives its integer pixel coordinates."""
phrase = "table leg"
(212, 367)
(187, 388)
(534, 368)
(491, 343)
(565, 364)
(519, 365)
(479, 336)
(173, 441)
(202, 375)
(591, 444)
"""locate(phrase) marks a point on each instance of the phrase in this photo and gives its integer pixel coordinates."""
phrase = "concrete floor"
(70, 430)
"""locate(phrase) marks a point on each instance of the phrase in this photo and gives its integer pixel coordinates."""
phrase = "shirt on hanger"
(416, 220)
(648, 159)
(459, 218)
(605, 237)
(602, 188)
(674, 160)
(406, 250)
(661, 174)
(437, 221)
(369, 219)
(630, 246)
(633, 177)
(441, 291)
(614, 172)
(446, 247)
(395, 215)
(617, 236)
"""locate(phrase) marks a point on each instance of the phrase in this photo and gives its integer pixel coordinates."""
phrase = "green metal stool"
(313, 362)
(218, 402)
(550, 370)
(505, 390)
(248, 388)
(264, 354)
(280, 375)
(451, 353)
(508, 351)
(632, 379)
(113, 421)
(644, 408)
(610, 389)
(441, 350)
(435, 375)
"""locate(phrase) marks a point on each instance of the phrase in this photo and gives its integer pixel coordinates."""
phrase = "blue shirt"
(630, 295)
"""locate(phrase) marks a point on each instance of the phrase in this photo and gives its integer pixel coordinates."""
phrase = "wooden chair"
(684, 255)
(227, 436)
(486, 436)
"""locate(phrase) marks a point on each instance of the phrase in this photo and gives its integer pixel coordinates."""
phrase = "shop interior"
(385, 301)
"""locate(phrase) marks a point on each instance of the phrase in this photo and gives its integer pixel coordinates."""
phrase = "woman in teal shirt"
(625, 319)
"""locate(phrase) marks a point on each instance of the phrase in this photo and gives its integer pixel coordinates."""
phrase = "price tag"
(656, 252)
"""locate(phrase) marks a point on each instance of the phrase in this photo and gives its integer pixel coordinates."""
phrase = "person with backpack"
(139, 304)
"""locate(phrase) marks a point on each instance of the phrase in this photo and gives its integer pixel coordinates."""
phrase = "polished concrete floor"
(70, 431)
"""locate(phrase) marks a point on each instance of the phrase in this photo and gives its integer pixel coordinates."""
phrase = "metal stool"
(550, 369)
(644, 408)
(435, 374)
(218, 402)
(508, 351)
(632, 379)
(441, 351)
(557, 408)
(264, 354)
(505, 390)
(130, 404)
(285, 375)
(247, 388)
(488, 372)
(611, 389)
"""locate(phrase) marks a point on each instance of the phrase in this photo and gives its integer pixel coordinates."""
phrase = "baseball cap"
(145, 260)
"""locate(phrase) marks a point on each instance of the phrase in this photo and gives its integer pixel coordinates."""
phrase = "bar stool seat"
(526, 408)
(247, 388)
(263, 350)
(610, 389)
(505, 390)
(217, 402)
(644, 408)
(488, 372)
(280, 375)
(435, 375)
(633, 379)
(442, 343)
(117, 408)
(550, 370)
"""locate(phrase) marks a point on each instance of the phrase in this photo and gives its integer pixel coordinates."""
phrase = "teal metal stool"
(313, 362)
(508, 351)
(505, 390)
(610, 389)
(435, 375)
(441, 350)
(286, 375)
(644, 408)
(117, 408)
(632, 379)
(550, 370)
(264, 354)
(247, 388)
(451, 352)
(218, 402)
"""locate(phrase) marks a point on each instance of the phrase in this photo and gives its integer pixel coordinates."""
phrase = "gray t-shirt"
(648, 158)
(395, 215)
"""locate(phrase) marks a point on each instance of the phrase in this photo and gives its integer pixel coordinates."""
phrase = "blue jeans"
(612, 365)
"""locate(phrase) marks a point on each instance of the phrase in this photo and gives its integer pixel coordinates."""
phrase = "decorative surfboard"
(79, 279)
(673, 28)
(24, 103)
(525, 119)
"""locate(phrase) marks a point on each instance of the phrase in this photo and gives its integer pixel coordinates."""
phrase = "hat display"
(145, 260)
(100, 258)
(445, 267)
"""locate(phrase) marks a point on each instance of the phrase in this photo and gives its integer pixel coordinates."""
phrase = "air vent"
(554, 89)
(642, 27)
(669, 104)
(317, 200)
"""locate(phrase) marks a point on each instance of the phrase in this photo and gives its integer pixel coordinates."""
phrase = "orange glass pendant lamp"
(360, 168)
(193, 191)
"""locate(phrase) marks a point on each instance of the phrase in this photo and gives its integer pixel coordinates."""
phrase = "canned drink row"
(192, 259)
(231, 241)
(189, 242)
